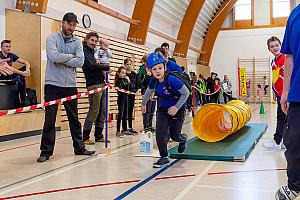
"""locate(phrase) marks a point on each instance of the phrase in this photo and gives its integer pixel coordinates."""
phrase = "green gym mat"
(235, 147)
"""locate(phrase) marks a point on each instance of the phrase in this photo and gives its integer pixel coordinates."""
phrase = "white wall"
(234, 44)
(4, 4)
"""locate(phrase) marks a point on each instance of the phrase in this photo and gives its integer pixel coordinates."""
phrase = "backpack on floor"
(31, 96)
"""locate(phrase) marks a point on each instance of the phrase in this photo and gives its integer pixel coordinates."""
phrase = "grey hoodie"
(61, 66)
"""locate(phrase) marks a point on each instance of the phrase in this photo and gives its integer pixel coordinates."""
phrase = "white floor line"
(16, 187)
(198, 177)
(235, 188)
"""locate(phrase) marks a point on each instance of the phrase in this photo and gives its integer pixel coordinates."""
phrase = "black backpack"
(185, 79)
(31, 96)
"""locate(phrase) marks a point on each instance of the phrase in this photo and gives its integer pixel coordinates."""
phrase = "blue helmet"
(154, 59)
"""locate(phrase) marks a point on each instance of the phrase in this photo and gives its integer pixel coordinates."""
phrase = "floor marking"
(235, 188)
(140, 184)
(92, 186)
(198, 177)
(246, 171)
(27, 145)
(67, 167)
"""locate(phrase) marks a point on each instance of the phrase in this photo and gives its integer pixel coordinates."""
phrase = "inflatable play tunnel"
(213, 122)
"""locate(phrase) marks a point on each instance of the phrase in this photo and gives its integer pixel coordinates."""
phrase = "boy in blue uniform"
(171, 110)
(290, 103)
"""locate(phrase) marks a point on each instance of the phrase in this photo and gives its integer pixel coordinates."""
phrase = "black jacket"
(93, 72)
(122, 83)
(133, 81)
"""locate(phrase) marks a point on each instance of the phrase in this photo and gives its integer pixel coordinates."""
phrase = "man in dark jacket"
(94, 79)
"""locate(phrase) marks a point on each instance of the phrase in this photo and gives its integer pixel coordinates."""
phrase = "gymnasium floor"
(66, 176)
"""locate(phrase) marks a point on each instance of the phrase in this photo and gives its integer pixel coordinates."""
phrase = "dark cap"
(70, 17)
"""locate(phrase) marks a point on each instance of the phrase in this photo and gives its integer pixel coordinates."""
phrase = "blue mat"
(235, 147)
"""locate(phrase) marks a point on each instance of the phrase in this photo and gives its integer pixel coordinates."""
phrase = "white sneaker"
(271, 145)
(285, 193)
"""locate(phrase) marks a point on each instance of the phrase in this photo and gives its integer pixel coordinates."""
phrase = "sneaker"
(271, 145)
(85, 153)
(102, 140)
(146, 129)
(126, 132)
(182, 145)
(285, 193)
(133, 131)
(42, 158)
(88, 142)
(161, 162)
(119, 135)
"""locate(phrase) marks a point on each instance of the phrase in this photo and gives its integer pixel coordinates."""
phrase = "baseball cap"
(69, 17)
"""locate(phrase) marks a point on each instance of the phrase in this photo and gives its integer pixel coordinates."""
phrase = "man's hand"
(26, 73)
(5, 69)
(144, 109)
(284, 103)
(172, 111)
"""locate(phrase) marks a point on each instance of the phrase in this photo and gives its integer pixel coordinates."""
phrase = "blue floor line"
(140, 184)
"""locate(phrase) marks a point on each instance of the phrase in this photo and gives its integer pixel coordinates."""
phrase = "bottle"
(143, 142)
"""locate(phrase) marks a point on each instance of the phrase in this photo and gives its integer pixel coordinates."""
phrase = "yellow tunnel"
(213, 122)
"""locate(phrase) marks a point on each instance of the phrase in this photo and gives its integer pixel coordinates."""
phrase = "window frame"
(246, 22)
(278, 21)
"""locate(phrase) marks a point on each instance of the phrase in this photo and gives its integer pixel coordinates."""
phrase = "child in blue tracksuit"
(171, 110)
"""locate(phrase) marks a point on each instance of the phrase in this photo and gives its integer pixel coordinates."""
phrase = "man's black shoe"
(85, 153)
(42, 158)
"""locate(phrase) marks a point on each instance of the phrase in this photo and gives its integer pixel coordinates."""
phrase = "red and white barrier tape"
(206, 93)
(69, 98)
(120, 89)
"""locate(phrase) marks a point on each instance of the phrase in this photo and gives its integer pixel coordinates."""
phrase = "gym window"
(281, 8)
(243, 10)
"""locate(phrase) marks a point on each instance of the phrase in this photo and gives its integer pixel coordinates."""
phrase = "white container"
(146, 142)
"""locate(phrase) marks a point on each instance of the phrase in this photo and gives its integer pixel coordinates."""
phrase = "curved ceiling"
(172, 13)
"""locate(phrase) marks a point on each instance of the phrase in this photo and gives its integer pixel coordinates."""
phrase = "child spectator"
(201, 84)
(103, 54)
(274, 46)
(143, 77)
(122, 81)
(131, 97)
(259, 92)
(217, 88)
(266, 84)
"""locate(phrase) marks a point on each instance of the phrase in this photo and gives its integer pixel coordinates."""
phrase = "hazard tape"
(210, 93)
(121, 90)
(206, 93)
(69, 98)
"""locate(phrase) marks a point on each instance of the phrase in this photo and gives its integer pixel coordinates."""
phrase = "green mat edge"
(219, 158)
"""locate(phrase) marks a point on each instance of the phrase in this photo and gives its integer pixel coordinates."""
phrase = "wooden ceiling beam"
(214, 29)
(142, 12)
(187, 27)
(108, 11)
